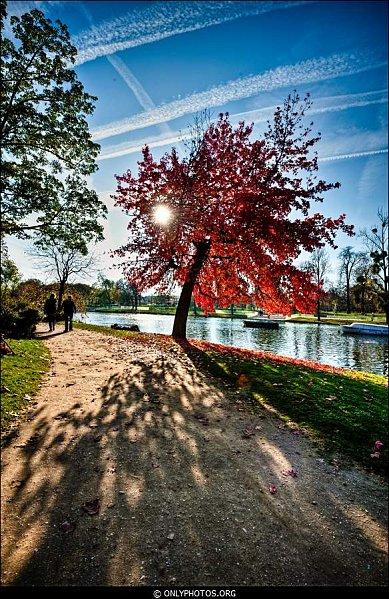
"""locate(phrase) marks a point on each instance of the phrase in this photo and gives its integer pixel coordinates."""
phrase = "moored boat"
(365, 328)
(261, 323)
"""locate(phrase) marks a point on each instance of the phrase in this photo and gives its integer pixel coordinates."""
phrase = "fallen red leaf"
(91, 507)
(68, 526)
(292, 472)
(248, 432)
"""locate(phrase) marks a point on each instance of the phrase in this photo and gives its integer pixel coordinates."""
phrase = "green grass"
(339, 318)
(328, 317)
(346, 413)
(171, 310)
(21, 374)
(103, 329)
(141, 310)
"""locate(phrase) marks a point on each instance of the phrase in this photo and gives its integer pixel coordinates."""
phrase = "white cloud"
(320, 105)
(370, 180)
(124, 149)
(153, 142)
(354, 142)
(165, 19)
(308, 71)
(19, 7)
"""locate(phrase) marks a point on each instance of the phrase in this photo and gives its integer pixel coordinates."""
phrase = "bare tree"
(319, 266)
(363, 288)
(64, 263)
(349, 261)
(376, 241)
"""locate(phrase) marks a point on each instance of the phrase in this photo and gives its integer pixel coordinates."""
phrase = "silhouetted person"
(69, 308)
(50, 310)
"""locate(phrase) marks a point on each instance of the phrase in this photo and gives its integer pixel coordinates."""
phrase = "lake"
(321, 343)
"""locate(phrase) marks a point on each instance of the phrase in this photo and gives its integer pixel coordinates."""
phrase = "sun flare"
(162, 215)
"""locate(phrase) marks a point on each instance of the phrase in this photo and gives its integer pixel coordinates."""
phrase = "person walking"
(69, 309)
(50, 309)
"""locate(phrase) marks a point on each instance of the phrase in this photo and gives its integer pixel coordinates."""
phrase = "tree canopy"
(239, 216)
(47, 151)
(63, 262)
(377, 241)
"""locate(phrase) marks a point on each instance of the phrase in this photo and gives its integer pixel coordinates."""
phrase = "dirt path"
(184, 498)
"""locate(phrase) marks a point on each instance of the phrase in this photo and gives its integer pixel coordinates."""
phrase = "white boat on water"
(365, 328)
(264, 321)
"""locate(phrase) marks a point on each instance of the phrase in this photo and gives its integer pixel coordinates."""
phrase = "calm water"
(324, 343)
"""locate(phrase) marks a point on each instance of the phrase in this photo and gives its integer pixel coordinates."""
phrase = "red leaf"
(91, 507)
(234, 228)
(248, 432)
(68, 526)
(292, 472)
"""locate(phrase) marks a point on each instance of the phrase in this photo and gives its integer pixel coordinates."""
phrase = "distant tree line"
(362, 276)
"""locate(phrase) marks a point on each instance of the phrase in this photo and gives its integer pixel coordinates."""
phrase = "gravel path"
(183, 491)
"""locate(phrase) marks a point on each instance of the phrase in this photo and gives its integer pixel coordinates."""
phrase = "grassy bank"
(21, 375)
(327, 318)
(339, 318)
(171, 310)
(344, 411)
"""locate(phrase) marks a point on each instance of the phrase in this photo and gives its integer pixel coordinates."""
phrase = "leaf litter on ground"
(91, 507)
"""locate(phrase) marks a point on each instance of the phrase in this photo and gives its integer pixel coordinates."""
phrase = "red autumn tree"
(240, 216)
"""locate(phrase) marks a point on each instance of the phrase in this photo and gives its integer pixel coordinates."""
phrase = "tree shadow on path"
(184, 494)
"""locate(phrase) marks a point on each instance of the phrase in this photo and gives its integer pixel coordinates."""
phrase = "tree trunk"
(386, 307)
(182, 311)
(363, 303)
(61, 292)
(348, 295)
(318, 310)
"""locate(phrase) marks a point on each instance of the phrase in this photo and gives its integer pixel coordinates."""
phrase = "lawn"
(344, 411)
(21, 375)
(327, 317)
(171, 310)
(340, 318)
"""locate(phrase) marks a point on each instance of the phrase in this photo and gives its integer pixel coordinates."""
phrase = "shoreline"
(326, 320)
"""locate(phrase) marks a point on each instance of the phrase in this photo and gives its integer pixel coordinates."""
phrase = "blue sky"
(153, 65)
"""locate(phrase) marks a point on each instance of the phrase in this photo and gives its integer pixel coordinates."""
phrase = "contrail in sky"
(352, 155)
(166, 19)
(320, 105)
(127, 75)
(116, 151)
(307, 71)
(135, 86)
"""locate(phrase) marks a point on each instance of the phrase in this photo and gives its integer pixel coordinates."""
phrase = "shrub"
(20, 324)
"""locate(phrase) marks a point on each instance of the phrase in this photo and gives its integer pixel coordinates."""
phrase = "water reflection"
(323, 343)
